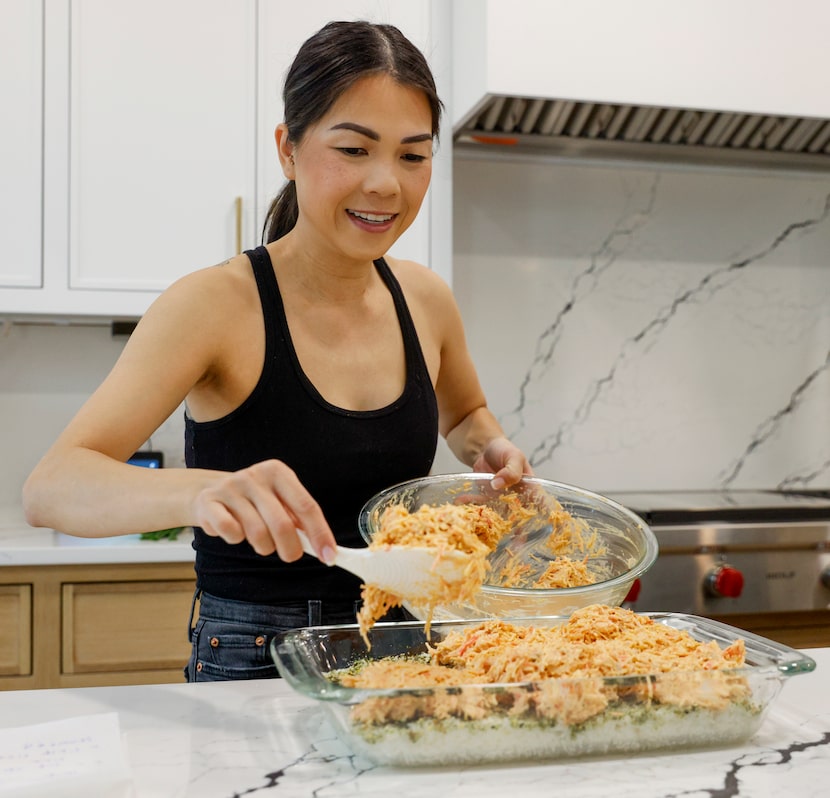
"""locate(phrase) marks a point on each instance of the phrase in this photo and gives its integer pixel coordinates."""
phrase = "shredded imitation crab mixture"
(476, 529)
(596, 642)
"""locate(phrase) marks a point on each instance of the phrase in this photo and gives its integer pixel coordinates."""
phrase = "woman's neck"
(319, 275)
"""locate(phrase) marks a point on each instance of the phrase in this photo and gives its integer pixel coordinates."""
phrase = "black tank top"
(343, 457)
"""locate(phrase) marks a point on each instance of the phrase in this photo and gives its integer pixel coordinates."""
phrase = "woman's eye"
(352, 150)
(414, 158)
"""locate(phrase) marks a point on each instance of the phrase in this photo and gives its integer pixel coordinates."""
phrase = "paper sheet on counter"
(80, 756)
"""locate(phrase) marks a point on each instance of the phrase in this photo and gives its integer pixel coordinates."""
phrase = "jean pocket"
(225, 651)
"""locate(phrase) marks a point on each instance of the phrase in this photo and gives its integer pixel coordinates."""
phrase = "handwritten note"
(83, 752)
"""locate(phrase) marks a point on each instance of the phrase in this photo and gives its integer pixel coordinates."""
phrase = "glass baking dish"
(479, 723)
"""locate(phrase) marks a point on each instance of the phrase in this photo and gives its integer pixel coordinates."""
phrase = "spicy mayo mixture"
(569, 664)
(476, 529)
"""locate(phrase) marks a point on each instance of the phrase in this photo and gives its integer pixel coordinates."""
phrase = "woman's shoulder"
(225, 286)
(419, 281)
(204, 304)
(429, 299)
(235, 273)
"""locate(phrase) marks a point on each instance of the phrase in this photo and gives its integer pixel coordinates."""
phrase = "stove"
(755, 559)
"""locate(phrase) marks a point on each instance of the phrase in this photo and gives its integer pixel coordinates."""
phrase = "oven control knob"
(724, 582)
(633, 592)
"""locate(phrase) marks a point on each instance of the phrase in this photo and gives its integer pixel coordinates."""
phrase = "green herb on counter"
(163, 534)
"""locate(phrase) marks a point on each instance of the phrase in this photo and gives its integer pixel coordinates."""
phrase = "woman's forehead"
(382, 104)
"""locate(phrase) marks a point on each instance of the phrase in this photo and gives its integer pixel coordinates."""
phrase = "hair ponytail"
(282, 214)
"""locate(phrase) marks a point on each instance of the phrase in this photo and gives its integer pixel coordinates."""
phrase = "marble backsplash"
(641, 328)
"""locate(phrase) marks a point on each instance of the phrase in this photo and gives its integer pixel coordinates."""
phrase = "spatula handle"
(306, 543)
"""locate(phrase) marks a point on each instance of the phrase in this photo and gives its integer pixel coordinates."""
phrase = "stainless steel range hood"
(734, 83)
(606, 130)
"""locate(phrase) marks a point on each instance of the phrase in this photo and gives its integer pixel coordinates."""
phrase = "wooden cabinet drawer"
(125, 626)
(15, 630)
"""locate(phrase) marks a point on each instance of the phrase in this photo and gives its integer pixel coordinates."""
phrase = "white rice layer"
(499, 738)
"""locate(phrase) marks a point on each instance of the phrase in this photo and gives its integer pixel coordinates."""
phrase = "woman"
(315, 370)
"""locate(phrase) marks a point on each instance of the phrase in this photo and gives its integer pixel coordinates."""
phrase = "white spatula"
(406, 571)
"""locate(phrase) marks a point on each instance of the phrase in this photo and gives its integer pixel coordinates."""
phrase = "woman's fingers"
(505, 461)
(230, 515)
(287, 505)
(218, 522)
(264, 504)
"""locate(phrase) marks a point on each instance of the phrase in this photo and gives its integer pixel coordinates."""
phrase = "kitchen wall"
(634, 328)
(638, 327)
(46, 373)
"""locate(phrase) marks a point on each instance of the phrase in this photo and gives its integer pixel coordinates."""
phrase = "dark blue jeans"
(231, 639)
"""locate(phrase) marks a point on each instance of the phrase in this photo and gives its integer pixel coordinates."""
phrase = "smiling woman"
(364, 167)
(316, 370)
(376, 50)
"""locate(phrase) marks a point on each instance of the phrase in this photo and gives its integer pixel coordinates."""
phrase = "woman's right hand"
(264, 504)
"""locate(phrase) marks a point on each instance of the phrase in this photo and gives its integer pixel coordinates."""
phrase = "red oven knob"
(724, 582)
(633, 592)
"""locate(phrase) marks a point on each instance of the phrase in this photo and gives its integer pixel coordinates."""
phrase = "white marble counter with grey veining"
(21, 544)
(223, 740)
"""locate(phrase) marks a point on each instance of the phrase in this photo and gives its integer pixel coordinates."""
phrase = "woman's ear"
(285, 150)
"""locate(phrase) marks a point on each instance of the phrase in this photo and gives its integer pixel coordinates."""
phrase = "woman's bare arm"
(472, 431)
(83, 486)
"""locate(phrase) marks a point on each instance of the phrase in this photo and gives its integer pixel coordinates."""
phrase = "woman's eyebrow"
(371, 134)
(416, 139)
(364, 131)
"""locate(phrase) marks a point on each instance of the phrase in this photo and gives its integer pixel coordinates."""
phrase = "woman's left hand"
(505, 461)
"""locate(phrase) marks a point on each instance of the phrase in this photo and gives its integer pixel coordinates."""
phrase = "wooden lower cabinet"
(15, 630)
(88, 625)
(804, 629)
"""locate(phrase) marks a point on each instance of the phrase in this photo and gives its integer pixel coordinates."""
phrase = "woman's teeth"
(372, 217)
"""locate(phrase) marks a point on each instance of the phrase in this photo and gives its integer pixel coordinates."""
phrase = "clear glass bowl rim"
(644, 563)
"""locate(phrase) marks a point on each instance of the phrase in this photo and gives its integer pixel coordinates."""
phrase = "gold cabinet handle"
(238, 205)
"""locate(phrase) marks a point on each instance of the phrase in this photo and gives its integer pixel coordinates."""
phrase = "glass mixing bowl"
(628, 546)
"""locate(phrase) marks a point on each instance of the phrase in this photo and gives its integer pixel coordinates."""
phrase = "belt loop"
(315, 612)
(196, 596)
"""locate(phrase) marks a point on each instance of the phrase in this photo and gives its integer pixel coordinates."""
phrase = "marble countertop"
(222, 740)
(21, 544)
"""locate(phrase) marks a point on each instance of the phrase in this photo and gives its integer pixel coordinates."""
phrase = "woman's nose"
(382, 179)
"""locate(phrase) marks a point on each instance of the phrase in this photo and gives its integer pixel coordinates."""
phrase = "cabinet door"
(125, 626)
(280, 37)
(21, 94)
(162, 139)
(15, 630)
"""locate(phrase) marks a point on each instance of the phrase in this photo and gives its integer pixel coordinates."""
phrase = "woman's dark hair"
(329, 63)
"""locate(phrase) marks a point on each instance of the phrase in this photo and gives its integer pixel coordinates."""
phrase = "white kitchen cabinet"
(158, 152)
(162, 132)
(21, 95)
(148, 151)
